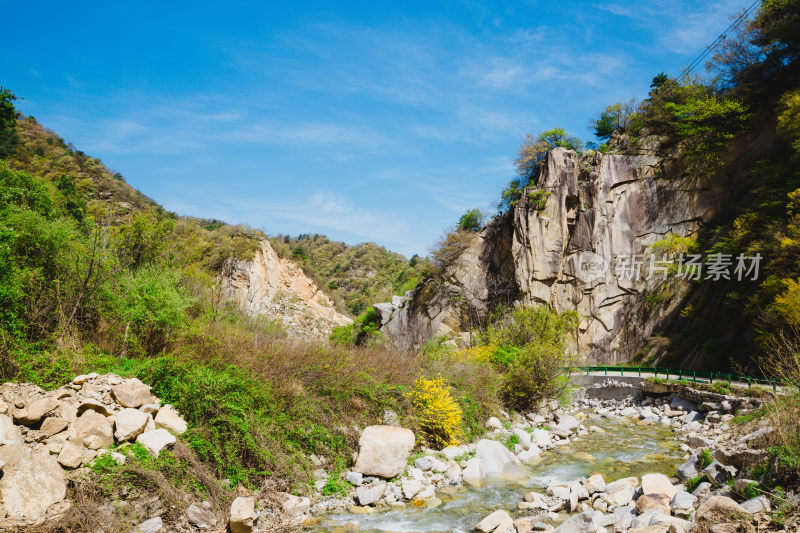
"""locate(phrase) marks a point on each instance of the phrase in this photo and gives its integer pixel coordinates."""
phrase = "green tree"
(472, 220)
(616, 117)
(530, 157)
(299, 253)
(789, 121)
(8, 123)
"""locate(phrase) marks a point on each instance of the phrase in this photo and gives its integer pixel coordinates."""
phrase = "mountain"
(698, 184)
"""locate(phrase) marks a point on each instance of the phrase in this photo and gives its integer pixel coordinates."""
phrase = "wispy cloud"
(277, 133)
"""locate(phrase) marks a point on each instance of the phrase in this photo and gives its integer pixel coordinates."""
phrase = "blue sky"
(360, 120)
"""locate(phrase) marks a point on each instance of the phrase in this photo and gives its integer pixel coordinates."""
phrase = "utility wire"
(697, 61)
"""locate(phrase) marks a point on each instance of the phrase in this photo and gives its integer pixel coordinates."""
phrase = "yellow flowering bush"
(437, 413)
(475, 354)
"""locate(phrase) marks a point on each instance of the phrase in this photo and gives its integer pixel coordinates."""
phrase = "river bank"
(658, 460)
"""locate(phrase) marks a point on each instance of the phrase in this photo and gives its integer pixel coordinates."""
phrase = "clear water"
(627, 448)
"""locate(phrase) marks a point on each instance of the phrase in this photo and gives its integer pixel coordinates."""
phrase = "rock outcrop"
(564, 244)
(279, 289)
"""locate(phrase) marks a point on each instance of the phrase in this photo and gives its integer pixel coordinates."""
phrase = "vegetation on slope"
(94, 277)
(354, 276)
(706, 129)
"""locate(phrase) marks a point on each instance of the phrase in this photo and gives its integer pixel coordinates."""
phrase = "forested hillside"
(355, 276)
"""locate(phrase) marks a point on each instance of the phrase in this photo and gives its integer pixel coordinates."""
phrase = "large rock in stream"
(498, 462)
(383, 451)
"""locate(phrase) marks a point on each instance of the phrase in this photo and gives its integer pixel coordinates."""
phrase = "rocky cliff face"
(565, 244)
(279, 289)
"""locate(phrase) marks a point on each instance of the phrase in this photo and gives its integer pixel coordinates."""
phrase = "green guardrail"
(696, 376)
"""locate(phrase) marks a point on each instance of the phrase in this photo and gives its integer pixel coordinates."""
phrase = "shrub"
(151, 303)
(532, 354)
(538, 199)
(476, 354)
(705, 457)
(362, 332)
(437, 413)
(694, 482)
(537, 372)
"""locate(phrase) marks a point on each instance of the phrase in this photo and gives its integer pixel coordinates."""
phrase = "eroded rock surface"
(279, 289)
(566, 247)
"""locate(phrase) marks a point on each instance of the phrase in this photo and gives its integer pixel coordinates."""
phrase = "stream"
(626, 448)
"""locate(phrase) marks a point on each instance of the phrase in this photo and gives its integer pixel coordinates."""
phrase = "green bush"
(538, 199)
(363, 331)
(693, 483)
(236, 423)
(705, 457)
(531, 351)
(151, 304)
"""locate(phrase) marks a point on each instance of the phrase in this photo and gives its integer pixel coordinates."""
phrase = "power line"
(697, 61)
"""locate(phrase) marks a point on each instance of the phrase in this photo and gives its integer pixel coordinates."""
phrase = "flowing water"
(627, 448)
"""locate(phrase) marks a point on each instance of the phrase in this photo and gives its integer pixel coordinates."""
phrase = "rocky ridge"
(563, 245)
(278, 288)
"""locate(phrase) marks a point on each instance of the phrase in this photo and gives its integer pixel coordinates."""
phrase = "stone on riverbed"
(473, 473)
(595, 483)
(658, 484)
(658, 501)
(498, 462)
(499, 521)
(410, 487)
(717, 473)
(541, 438)
(524, 438)
(430, 463)
(369, 495)
(383, 451)
(688, 470)
(585, 522)
(683, 503)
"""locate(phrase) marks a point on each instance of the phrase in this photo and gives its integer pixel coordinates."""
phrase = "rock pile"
(44, 433)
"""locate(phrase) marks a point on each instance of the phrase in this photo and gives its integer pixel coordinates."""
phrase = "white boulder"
(383, 451)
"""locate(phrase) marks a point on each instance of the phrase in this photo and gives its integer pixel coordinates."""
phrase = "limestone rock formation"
(279, 289)
(564, 244)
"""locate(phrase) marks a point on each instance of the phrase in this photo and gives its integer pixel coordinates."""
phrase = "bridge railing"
(696, 376)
